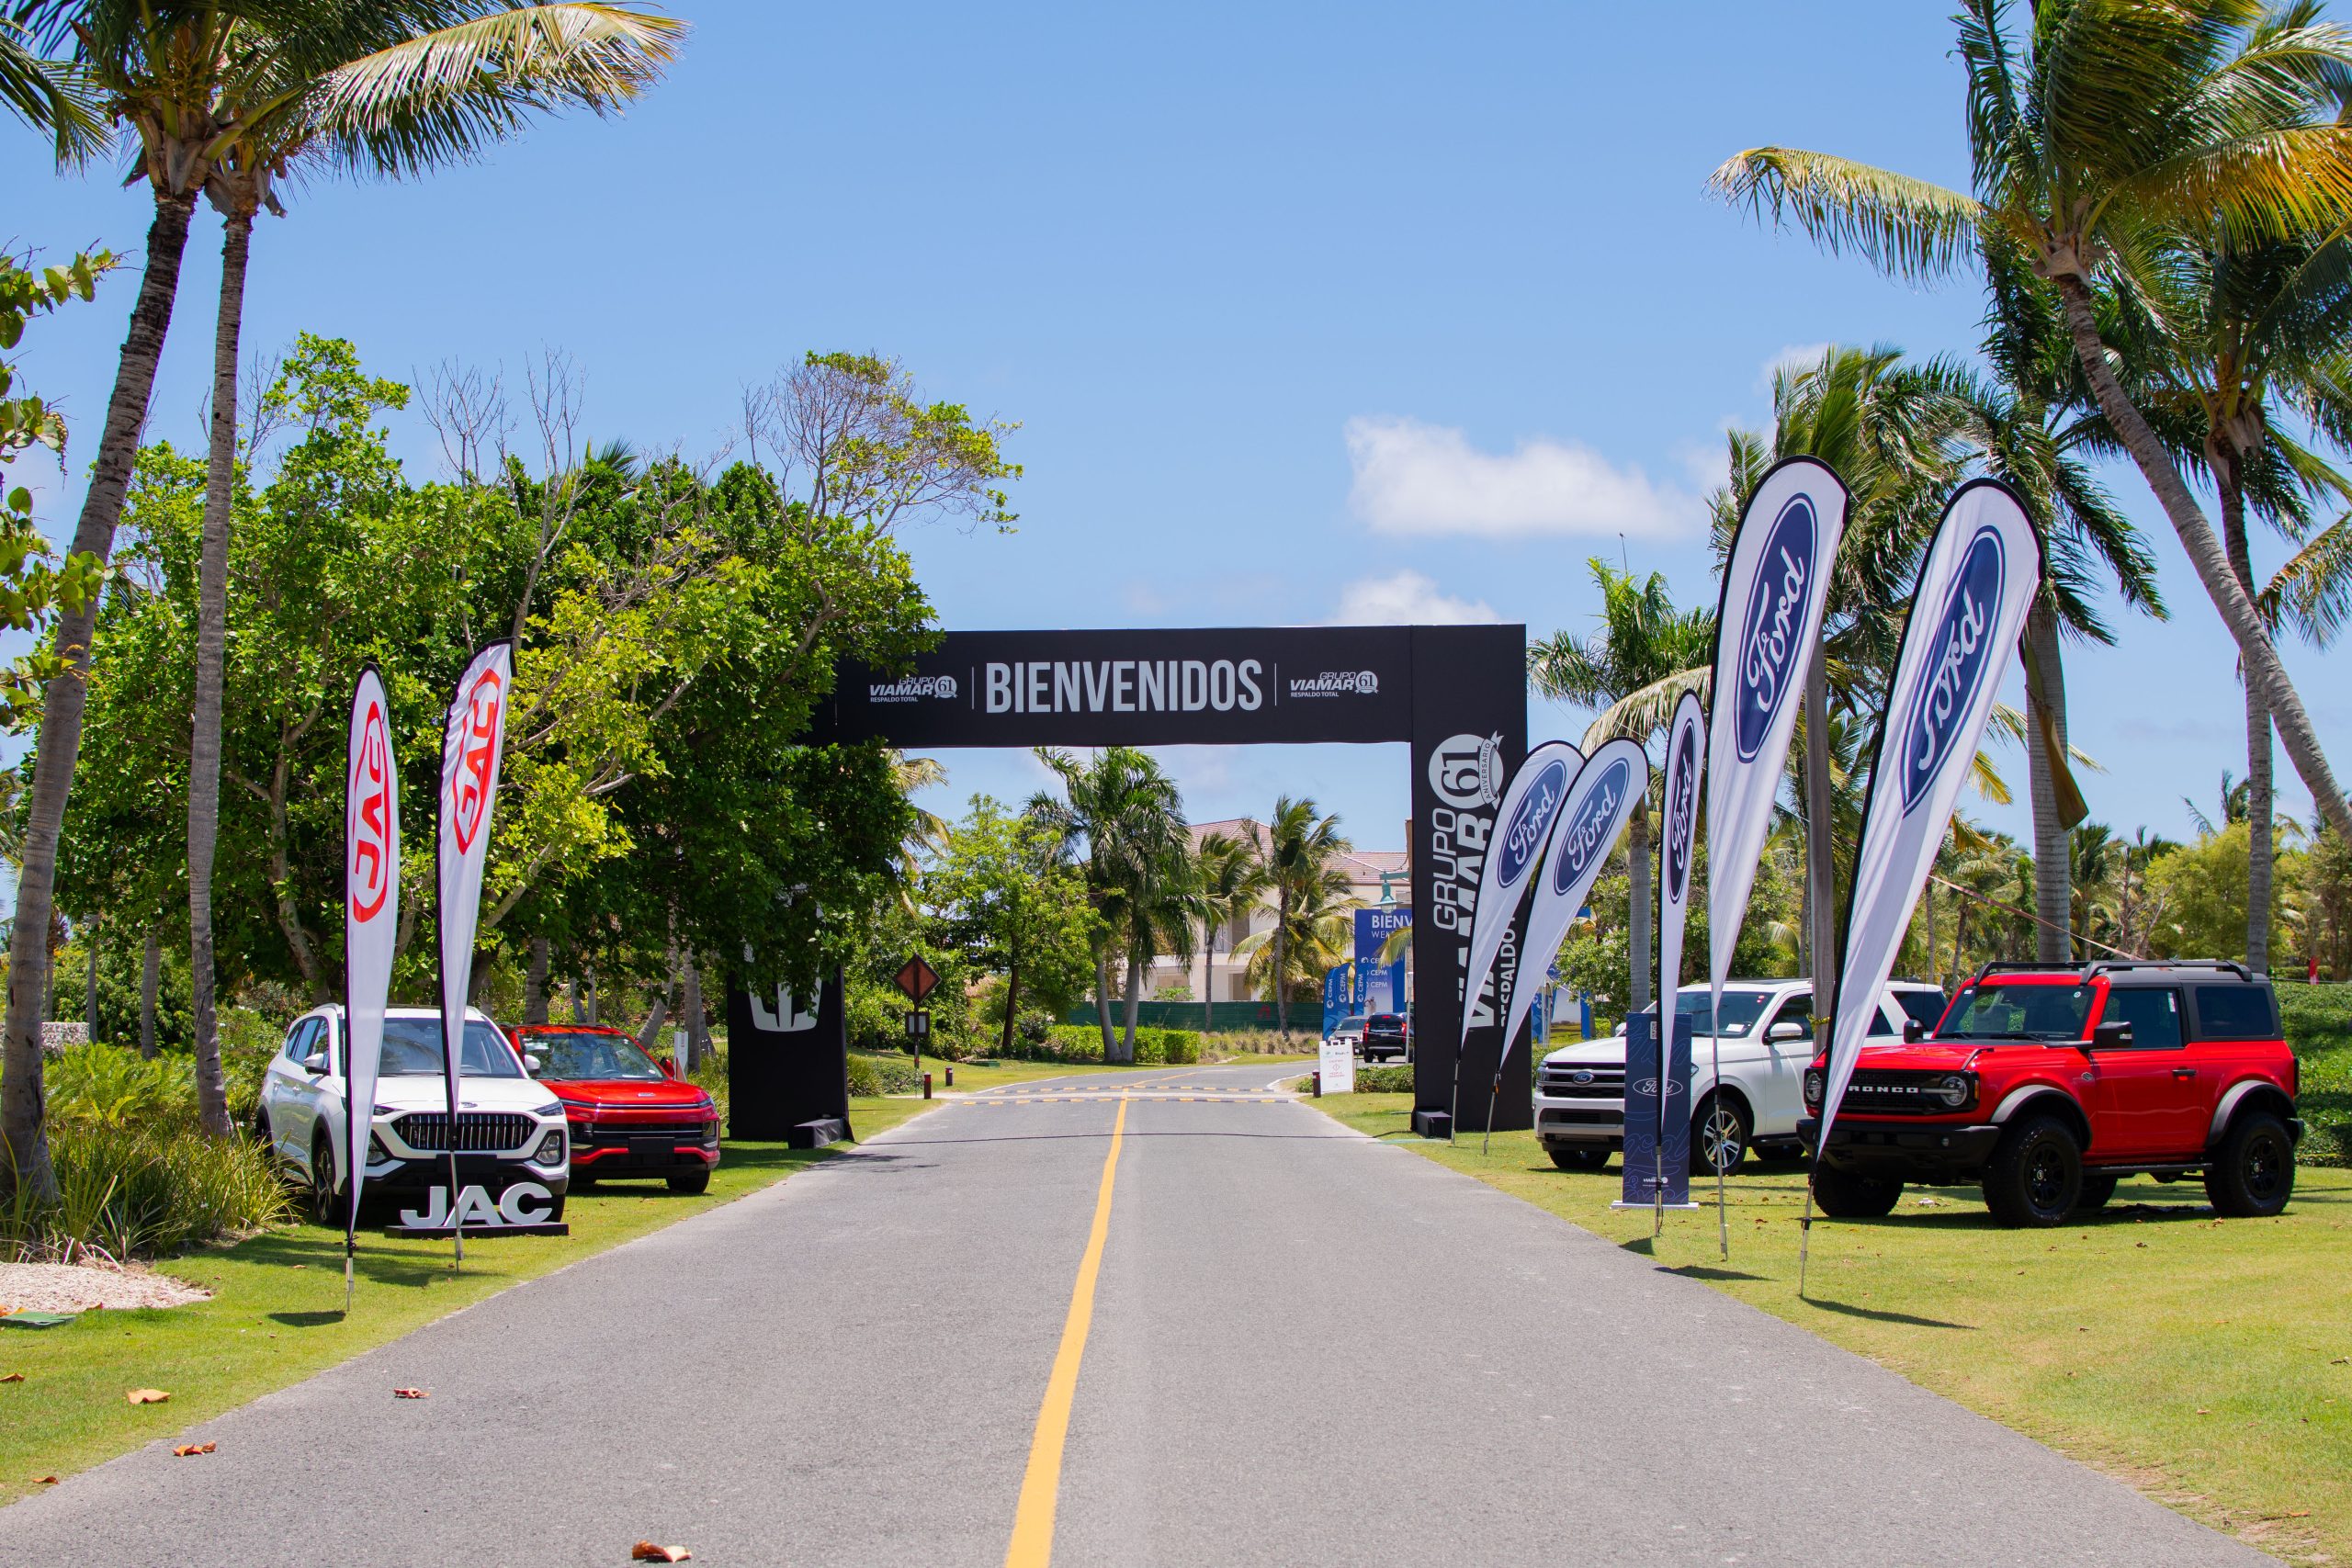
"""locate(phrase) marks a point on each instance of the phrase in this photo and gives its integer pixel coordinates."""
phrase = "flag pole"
(1804, 1234)
(1715, 1071)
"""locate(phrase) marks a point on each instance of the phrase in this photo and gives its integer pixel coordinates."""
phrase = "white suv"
(510, 1128)
(1765, 1041)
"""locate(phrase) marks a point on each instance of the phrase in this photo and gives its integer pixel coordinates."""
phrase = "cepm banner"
(1380, 988)
(1601, 801)
(371, 917)
(1975, 589)
(1530, 803)
(473, 739)
(1768, 629)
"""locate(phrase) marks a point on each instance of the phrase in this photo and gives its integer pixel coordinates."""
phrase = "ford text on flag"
(1530, 803)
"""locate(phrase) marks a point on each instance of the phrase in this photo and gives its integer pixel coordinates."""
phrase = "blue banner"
(1641, 1109)
(1674, 1114)
(1380, 986)
(1335, 998)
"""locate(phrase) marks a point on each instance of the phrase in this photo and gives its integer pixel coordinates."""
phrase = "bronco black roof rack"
(2095, 967)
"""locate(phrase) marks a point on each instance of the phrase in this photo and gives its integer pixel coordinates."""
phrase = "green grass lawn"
(276, 1314)
(2208, 1362)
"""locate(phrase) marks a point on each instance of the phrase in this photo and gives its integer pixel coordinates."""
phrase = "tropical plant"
(1634, 669)
(1123, 820)
(2114, 123)
(1295, 858)
(421, 84)
(1229, 883)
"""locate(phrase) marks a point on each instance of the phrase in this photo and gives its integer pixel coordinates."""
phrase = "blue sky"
(1308, 312)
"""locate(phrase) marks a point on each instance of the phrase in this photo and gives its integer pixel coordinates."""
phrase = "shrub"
(1385, 1080)
(106, 1088)
(126, 1193)
(2318, 1022)
(870, 1075)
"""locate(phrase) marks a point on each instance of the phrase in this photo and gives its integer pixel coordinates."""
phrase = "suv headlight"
(550, 1149)
(377, 1152)
(1813, 1088)
(1956, 1089)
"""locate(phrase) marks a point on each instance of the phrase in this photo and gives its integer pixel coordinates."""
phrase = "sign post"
(918, 980)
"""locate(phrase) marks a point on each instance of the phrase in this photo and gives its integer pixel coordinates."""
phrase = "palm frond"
(55, 95)
(1907, 228)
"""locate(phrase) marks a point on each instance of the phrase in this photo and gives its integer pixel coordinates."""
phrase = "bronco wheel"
(2035, 1176)
(700, 1182)
(1719, 1135)
(324, 1183)
(1579, 1157)
(2097, 1190)
(2253, 1173)
(1844, 1195)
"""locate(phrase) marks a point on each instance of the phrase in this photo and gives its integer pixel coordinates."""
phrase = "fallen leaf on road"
(409, 1393)
(2204, 1412)
(147, 1396)
(645, 1551)
(189, 1451)
(44, 1480)
(2340, 1361)
(12, 1377)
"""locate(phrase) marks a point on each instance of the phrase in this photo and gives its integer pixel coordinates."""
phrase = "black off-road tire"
(2252, 1175)
(1734, 1132)
(1591, 1157)
(2097, 1190)
(2035, 1176)
(692, 1185)
(1847, 1195)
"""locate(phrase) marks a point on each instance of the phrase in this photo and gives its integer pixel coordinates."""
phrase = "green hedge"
(2318, 1021)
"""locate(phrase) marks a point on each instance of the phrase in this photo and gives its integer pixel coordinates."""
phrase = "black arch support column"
(787, 1066)
(1469, 734)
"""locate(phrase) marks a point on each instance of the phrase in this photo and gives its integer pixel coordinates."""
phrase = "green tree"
(999, 895)
(2203, 887)
(421, 83)
(1229, 883)
(1310, 896)
(1635, 669)
(2113, 122)
(36, 591)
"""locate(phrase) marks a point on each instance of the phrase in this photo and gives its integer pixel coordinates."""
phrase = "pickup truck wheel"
(1719, 1135)
(2035, 1176)
(2253, 1174)
(1575, 1157)
(1845, 1195)
(2097, 1190)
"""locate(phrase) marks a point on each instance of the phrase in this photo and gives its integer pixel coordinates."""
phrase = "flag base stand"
(1436, 1125)
(816, 1134)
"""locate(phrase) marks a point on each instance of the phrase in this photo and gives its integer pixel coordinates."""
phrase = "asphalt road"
(1306, 1347)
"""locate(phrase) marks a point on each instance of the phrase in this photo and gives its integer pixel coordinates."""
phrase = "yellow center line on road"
(1041, 1485)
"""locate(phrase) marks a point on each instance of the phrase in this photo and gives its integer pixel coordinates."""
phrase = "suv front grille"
(1601, 1083)
(478, 1132)
(622, 1131)
(1892, 1092)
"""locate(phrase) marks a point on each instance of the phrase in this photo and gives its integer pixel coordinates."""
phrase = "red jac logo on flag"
(469, 790)
(369, 880)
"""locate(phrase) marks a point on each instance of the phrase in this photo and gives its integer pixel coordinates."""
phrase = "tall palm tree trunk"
(1208, 974)
(1821, 874)
(212, 649)
(2045, 702)
(1136, 963)
(1637, 940)
(2264, 671)
(1011, 997)
(22, 1114)
(90, 977)
(151, 980)
(1102, 999)
(535, 983)
(2260, 795)
(1282, 964)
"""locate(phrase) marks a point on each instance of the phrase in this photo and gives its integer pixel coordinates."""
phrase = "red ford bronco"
(2049, 1082)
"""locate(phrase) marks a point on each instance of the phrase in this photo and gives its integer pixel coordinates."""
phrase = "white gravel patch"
(80, 1287)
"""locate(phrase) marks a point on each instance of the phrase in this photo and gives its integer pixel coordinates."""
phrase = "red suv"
(2047, 1083)
(630, 1116)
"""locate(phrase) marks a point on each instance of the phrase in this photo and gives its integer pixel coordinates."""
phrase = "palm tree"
(421, 83)
(2117, 122)
(48, 95)
(1311, 935)
(1229, 883)
(1295, 856)
(1127, 819)
(1635, 669)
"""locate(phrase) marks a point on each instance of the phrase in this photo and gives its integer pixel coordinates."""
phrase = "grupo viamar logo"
(1959, 658)
(1467, 771)
(1775, 622)
(911, 689)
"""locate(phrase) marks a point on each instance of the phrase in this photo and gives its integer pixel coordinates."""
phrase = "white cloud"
(1412, 478)
(1406, 598)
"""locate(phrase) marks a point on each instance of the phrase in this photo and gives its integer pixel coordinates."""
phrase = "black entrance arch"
(1456, 695)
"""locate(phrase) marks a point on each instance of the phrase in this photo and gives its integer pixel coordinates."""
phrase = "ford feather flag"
(1678, 843)
(1584, 831)
(371, 917)
(1975, 589)
(1766, 628)
(473, 738)
(1530, 803)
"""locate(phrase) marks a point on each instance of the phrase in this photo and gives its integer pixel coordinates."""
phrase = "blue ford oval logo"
(1681, 812)
(1580, 1076)
(1589, 834)
(1776, 617)
(1523, 836)
(1960, 652)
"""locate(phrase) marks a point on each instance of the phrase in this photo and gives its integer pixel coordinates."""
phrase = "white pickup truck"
(1764, 1038)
